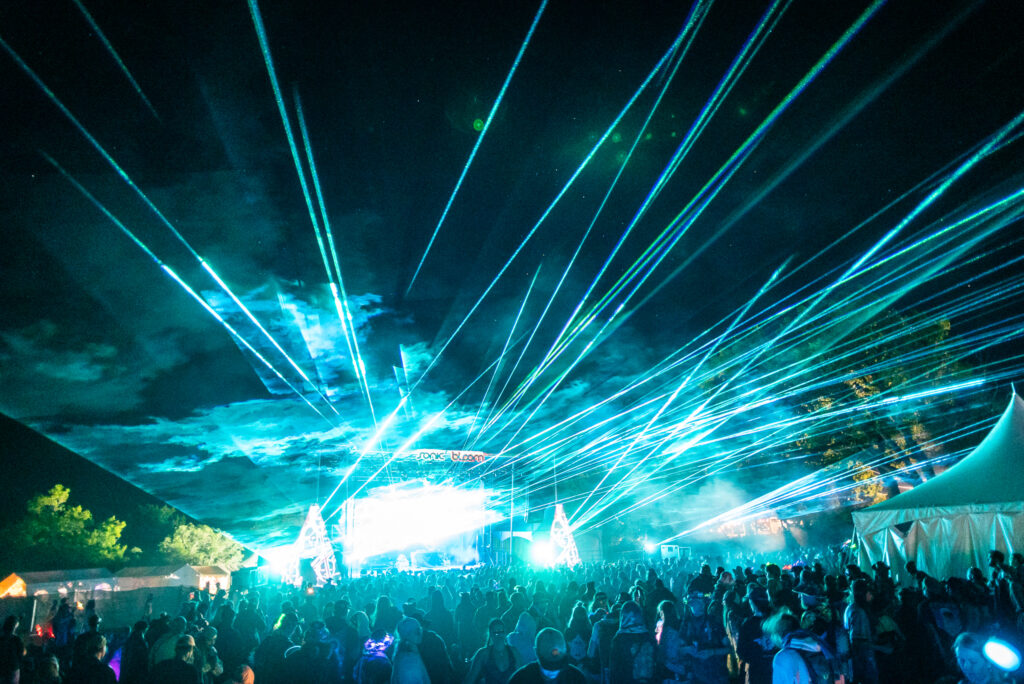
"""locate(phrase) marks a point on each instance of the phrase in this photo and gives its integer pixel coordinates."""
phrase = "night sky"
(106, 354)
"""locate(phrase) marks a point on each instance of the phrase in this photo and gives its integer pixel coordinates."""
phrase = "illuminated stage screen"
(429, 520)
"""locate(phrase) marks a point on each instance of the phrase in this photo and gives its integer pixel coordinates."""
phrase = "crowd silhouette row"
(813, 619)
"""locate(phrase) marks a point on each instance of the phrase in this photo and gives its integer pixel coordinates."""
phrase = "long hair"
(579, 623)
(382, 607)
(667, 612)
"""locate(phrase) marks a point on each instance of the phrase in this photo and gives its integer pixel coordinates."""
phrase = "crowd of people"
(723, 620)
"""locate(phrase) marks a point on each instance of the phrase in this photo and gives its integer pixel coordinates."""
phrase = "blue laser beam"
(117, 58)
(479, 141)
(163, 219)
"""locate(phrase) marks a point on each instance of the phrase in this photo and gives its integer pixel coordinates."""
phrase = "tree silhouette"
(202, 545)
(57, 535)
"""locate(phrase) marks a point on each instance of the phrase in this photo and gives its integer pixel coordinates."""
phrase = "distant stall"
(160, 576)
(74, 584)
(12, 586)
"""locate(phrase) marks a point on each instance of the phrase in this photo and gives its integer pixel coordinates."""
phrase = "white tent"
(949, 523)
(153, 576)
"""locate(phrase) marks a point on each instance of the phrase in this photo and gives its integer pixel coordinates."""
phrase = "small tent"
(12, 586)
(949, 523)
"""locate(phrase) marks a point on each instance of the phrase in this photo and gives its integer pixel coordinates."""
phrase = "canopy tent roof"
(949, 523)
(991, 474)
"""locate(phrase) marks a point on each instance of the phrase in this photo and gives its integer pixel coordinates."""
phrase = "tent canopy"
(949, 523)
(991, 474)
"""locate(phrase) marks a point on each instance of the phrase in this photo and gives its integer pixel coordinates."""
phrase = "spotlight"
(1002, 654)
(650, 547)
(281, 559)
(542, 553)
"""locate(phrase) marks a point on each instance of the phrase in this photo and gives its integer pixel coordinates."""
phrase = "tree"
(57, 535)
(202, 545)
(151, 524)
(833, 380)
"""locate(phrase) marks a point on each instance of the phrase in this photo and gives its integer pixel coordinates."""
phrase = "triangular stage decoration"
(313, 543)
(561, 536)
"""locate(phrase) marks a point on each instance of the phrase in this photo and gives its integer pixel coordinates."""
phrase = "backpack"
(821, 665)
(820, 668)
(577, 649)
(643, 661)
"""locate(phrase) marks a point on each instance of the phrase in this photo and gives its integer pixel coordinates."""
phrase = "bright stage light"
(280, 559)
(415, 515)
(542, 553)
(650, 547)
(1001, 654)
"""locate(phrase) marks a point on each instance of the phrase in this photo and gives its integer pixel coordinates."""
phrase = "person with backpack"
(803, 658)
(634, 657)
(577, 635)
(858, 625)
(599, 651)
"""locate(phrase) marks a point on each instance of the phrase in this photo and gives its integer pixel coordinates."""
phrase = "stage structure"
(421, 509)
(561, 537)
(313, 544)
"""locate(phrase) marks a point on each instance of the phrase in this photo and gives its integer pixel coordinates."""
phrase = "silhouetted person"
(11, 651)
(230, 646)
(179, 669)
(80, 644)
(465, 637)
(268, 660)
(440, 618)
(205, 656)
(374, 665)
(385, 615)
(164, 647)
(518, 606)
(634, 657)
(857, 622)
(135, 656)
(704, 583)
(48, 671)
(552, 664)
(497, 661)
(89, 668)
(408, 663)
(64, 630)
(314, 662)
